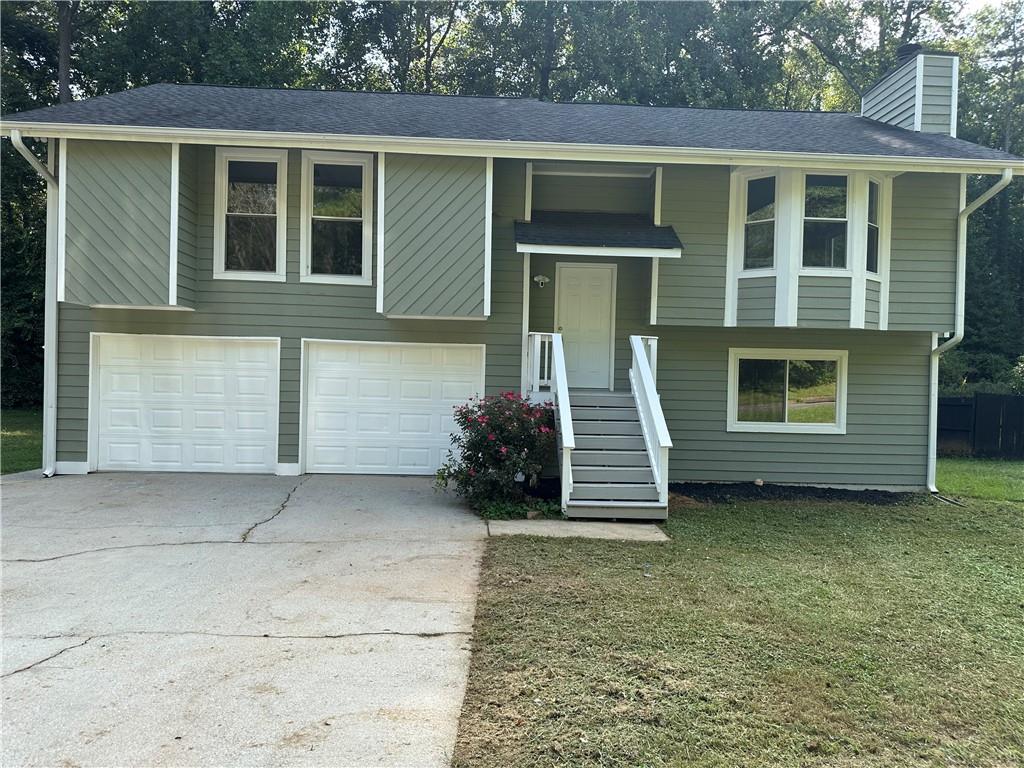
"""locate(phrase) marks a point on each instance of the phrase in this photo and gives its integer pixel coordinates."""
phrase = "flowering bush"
(499, 449)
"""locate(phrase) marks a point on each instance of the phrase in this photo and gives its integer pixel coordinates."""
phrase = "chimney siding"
(919, 95)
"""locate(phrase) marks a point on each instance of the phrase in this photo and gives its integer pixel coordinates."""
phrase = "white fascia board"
(591, 250)
(535, 150)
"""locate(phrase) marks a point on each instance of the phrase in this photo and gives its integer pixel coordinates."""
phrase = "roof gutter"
(958, 324)
(34, 161)
(531, 150)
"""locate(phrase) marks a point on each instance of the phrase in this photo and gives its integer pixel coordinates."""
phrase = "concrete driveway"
(159, 619)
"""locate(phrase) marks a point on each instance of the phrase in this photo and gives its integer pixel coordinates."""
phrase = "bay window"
(759, 225)
(873, 227)
(336, 238)
(772, 390)
(250, 219)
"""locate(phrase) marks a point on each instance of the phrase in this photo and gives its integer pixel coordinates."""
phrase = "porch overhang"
(596, 234)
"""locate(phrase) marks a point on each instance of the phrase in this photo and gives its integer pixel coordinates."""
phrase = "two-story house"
(291, 281)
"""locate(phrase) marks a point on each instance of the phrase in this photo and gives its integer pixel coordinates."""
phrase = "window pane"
(252, 187)
(338, 190)
(337, 248)
(825, 244)
(872, 248)
(812, 392)
(761, 199)
(759, 245)
(251, 244)
(762, 391)
(872, 202)
(826, 197)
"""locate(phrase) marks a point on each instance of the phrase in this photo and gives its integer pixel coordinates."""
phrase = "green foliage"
(21, 439)
(519, 510)
(499, 450)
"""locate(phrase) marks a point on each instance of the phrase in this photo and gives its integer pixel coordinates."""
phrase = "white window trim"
(220, 208)
(738, 180)
(365, 162)
(840, 356)
(850, 208)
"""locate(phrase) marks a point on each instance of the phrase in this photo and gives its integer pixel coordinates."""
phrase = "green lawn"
(981, 478)
(21, 439)
(801, 633)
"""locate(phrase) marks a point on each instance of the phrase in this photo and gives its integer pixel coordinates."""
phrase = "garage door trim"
(304, 382)
(93, 404)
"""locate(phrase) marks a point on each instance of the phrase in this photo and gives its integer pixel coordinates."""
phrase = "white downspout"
(958, 325)
(49, 300)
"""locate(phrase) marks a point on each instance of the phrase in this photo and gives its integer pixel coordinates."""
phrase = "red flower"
(504, 449)
(490, 436)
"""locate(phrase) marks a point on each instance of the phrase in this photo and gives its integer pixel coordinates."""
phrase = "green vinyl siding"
(886, 444)
(605, 194)
(294, 310)
(188, 223)
(632, 291)
(893, 100)
(872, 304)
(755, 301)
(937, 94)
(922, 275)
(118, 229)
(695, 202)
(434, 234)
(823, 302)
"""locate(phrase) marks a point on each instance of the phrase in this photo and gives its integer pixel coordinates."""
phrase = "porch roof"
(612, 233)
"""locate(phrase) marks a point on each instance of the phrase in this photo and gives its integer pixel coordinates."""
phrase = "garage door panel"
(181, 404)
(378, 408)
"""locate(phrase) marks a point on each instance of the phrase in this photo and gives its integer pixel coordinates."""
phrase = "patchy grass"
(786, 633)
(981, 478)
(21, 439)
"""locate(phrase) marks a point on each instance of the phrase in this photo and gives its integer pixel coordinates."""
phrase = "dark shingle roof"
(500, 119)
(602, 230)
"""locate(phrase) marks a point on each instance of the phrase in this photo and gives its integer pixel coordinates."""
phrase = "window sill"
(767, 272)
(787, 429)
(336, 280)
(825, 272)
(257, 277)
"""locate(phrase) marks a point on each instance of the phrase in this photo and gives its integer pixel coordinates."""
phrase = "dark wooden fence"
(982, 425)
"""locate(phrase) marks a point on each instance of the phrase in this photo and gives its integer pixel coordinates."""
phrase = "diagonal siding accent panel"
(118, 223)
(188, 224)
(434, 227)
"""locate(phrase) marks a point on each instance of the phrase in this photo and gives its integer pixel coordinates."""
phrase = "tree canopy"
(817, 54)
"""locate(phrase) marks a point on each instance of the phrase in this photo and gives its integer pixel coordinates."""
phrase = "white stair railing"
(560, 396)
(538, 362)
(648, 406)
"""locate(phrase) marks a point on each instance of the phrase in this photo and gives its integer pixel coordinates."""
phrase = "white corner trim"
(287, 470)
(657, 196)
(220, 207)
(172, 258)
(318, 157)
(954, 97)
(654, 290)
(488, 226)
(380, 232)
(734, 245)
(528, 208)
(858, 190)
(50, 309)
(884, 250)
(524, 383)
(840, 356)
(62, 216)
(72, 467)
(918, 92)
(789, 237)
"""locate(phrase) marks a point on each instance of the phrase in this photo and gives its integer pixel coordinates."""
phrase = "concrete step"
(610, 458)
(603, 399)
(596, 474)
(595, 413)
(622, 510)
(613, 492)
(610, 442)
(589, 427)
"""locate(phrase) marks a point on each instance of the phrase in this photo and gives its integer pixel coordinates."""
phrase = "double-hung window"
(250, 214)
(873, 227)
(336, 240)
(826, 219)
(778, 390)
(759, 224)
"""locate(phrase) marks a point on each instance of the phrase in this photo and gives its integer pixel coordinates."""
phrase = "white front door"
(385, 408)
(584, 315)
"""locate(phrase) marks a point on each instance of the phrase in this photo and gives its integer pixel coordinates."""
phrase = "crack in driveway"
(51, 656)
(280, 509)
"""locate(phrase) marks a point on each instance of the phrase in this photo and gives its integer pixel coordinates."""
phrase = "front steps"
(611, 470)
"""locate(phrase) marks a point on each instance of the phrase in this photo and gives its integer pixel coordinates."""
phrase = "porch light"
(541, 280)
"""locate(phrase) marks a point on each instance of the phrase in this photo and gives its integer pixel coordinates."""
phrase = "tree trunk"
(66, 10)
(547, 64)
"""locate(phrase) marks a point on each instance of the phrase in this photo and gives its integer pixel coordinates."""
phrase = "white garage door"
(179, 403)
(385, 408)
